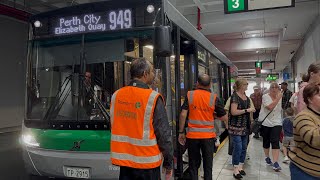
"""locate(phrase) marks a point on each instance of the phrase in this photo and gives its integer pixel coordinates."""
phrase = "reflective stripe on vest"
(212, 103)
(200, 122)
(147, 115)
(200, 129)
(137, 159)
(113, 100)
(191, 97)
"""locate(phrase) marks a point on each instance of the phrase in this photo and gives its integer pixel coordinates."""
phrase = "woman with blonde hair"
(237, 126)
(271, 115)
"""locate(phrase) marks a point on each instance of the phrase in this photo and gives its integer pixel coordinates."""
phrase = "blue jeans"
(239, 149)
(298, 174)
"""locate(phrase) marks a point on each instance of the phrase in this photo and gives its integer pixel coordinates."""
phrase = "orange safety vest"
(133, 141)
(201, 118)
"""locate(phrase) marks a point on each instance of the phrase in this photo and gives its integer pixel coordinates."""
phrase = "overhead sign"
(234, 6)
(94, 22)
(286, 76)
(272, 77)
(268, 65)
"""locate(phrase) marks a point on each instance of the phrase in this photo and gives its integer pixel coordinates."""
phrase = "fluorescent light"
(149, 46)
(30, 140)
(150, 8)
(254, 35)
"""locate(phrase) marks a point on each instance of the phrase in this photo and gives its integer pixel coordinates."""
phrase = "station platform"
(255, 167)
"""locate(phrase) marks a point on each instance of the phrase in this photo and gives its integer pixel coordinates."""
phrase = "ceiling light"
(186, 42)
(149, 46)
(37, 24)
(150, 8)
(257, 51)
(254, 35)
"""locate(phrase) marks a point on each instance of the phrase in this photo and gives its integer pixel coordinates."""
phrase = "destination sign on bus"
(94, 22)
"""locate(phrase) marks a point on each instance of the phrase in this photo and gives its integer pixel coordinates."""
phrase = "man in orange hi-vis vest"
(140, 132)
(202, 106)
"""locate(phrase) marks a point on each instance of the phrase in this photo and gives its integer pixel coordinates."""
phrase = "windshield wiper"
(55, 107)
(100, 105)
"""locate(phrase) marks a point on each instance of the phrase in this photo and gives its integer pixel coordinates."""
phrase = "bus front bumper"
(53, 163)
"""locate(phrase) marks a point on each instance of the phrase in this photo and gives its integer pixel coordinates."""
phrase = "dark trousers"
(271, 135)
(207, 148)
(256, 116)
(127, 173)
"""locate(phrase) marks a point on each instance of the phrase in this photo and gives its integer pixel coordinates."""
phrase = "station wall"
(309, 51)
(13, 47)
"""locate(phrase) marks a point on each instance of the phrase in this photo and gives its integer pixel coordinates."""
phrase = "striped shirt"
(306, 133)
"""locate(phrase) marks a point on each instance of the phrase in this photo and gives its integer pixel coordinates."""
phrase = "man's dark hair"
(204, 80)
(138, 67)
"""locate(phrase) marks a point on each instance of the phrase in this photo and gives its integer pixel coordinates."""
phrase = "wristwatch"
(245, 111)
(181, 132)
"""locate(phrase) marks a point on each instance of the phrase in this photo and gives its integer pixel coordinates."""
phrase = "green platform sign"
(235, 6)
(271, 78)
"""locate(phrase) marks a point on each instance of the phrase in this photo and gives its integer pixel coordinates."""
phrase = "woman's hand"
(250, 110)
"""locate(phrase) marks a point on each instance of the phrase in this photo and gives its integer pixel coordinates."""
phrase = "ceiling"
(269, 35)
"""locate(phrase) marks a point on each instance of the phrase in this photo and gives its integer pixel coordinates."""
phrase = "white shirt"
(275, 117)
(294, 99)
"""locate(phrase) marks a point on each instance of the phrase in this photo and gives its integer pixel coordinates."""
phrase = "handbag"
(256, 125)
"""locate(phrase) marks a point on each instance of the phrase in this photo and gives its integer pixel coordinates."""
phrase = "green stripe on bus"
(90, 140)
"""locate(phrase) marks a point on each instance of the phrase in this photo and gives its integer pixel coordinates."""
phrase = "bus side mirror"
(163, 41)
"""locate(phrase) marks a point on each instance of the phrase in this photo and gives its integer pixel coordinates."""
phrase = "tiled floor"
(255, 167)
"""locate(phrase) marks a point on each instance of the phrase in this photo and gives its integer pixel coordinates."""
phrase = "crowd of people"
(288, 119)
(141, 135)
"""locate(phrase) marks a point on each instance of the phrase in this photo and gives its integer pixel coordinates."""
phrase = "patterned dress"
(238, 124)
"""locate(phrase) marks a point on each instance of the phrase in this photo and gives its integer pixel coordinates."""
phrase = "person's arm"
(274, 103)
(251, 106)
(182, 120)
(234, 107)
(308, 130)
(220, 110)
(163, 133)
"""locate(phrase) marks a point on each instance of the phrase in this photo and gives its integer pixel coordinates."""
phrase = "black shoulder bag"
(256, 125)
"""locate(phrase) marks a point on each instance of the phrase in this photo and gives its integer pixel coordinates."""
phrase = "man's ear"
(145, 73)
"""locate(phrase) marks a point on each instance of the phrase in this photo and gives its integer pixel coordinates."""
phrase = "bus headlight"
(30, 140)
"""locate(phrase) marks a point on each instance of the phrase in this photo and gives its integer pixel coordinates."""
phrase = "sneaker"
(268, 161)
(276, 167)
(247, 156)
(286, 159)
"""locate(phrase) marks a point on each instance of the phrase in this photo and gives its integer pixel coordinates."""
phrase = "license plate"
(75, 172)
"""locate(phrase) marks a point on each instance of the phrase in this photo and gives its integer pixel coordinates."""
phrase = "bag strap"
(266, 116)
